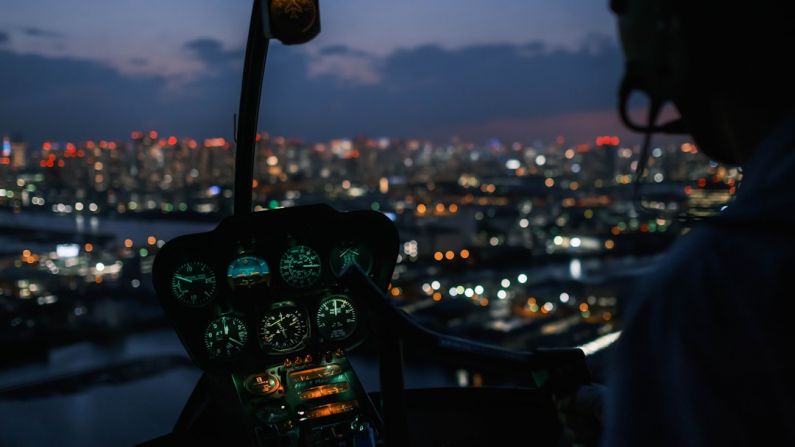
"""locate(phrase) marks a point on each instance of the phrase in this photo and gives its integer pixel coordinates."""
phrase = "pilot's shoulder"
(687, 276)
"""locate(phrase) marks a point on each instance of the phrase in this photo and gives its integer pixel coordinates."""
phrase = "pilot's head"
(723, 64)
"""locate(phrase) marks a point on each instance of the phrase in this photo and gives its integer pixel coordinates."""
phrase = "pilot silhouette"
(703, 358)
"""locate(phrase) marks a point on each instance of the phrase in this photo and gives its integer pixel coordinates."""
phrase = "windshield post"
(250, 93)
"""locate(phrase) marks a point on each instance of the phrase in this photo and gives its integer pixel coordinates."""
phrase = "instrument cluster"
(261, 287)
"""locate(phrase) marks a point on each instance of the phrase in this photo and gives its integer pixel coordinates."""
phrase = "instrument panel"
(260, 288)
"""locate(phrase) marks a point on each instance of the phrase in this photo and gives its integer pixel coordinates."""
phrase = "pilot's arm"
(696, 363)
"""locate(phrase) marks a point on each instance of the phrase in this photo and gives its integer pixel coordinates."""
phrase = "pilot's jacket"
(707, 354)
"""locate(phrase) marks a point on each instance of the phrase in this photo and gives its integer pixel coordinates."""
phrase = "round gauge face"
(248, 271)
(347, 254)
(284, 328)
(193, 284)
(300, 266)
(225, 337)
(336, 318)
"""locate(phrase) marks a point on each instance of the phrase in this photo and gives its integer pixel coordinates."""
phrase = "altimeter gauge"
(193, 284)
(300, 266)
(283, 328)
(225, 337)
(336, 318)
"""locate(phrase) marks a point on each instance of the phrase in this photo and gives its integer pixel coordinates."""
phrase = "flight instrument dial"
(300, 266)
(193, 284)
(336, 318)
(284, 328)
(225, 337)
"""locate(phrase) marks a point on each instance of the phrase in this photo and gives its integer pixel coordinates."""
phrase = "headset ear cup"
(624, 92)
(627, 87)
(654, 58)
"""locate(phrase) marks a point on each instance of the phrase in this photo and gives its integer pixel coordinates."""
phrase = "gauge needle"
(335, 308)
(237, 342)
(311, 265)
(182, 278)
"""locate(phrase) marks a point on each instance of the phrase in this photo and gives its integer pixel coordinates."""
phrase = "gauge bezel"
(240, 350)
(349, 333)
(286, 277)
(213, 292)
(306, 338)
(233, 284)
(349, 244)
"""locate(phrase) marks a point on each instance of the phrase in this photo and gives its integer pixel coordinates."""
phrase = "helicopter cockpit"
(281, 333)
(270, 303)
(273, 342)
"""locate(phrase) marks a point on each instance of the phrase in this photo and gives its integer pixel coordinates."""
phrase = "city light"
(500, 241)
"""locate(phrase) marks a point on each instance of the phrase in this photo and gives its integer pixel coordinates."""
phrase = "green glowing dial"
(300, 266)
(336, 318)
(284, 328)
(193, 284)
(347, 254)
(225, 337)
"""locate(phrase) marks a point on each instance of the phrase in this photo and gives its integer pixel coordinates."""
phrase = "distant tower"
(18, 155)
(12, 154)
(6, 151)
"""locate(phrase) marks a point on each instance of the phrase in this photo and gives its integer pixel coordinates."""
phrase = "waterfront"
(122, 411)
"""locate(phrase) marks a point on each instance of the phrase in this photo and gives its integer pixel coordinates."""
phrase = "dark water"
(127, 413)
(122, 228)
(120, 414)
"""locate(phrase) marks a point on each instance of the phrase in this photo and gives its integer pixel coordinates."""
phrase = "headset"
(656, 65)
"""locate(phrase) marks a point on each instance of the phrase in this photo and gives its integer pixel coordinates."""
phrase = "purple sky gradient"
(70, 68)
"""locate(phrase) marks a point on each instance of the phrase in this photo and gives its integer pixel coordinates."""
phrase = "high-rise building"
(18, 155)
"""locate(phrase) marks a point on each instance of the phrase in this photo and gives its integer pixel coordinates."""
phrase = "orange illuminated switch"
(331, 409)
(323, 390)
(315, 373)
(261, 384)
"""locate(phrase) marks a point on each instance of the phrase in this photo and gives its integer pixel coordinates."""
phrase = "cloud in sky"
(3, 38)
(116, 32)
(38, 32)
(212, 50)
(518, 91)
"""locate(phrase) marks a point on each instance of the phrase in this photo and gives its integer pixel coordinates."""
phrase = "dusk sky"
(512, 69)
